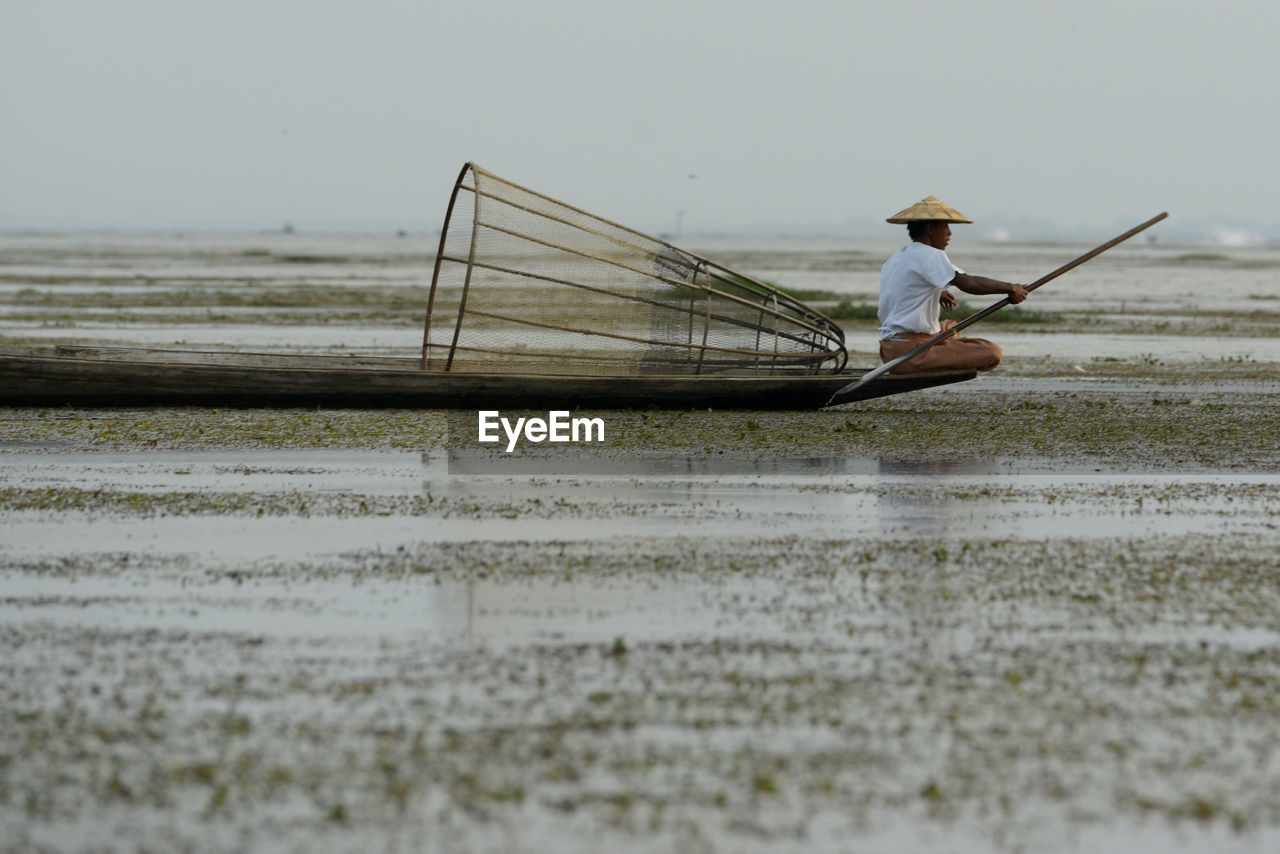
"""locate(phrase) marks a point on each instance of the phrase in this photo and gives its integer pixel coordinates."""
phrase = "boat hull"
(85, 376)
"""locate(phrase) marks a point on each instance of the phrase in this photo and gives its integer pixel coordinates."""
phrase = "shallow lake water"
(813, 499)
(326, 649)
(1134, 282)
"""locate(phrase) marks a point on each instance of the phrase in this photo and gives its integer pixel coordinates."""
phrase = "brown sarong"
(955, 353)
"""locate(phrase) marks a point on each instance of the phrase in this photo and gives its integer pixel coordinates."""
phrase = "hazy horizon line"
(1223, 236)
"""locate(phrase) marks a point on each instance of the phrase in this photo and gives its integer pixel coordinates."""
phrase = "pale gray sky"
(248, 115)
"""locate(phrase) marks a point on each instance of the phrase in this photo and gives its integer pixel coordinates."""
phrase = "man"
(914, 286)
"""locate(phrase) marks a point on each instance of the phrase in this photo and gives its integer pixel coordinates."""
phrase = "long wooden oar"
(846, 392)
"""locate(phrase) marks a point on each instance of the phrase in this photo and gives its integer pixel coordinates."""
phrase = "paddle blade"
(850, 391)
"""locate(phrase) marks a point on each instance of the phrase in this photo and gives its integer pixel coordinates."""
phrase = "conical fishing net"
(527, 284)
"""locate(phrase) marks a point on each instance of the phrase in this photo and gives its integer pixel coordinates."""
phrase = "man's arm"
(982, 285)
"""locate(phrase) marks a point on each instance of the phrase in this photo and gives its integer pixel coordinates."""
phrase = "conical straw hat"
(929, 208)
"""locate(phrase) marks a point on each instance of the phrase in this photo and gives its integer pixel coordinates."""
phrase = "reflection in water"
(470, 461)
(931, 515)
(487, 611)
(937, 504)
(925, 468)
(928, 514)
(466, 462)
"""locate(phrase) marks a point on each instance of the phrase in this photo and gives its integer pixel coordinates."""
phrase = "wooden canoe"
(125, 376)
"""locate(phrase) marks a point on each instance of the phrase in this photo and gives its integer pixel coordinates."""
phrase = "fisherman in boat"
(914, 285)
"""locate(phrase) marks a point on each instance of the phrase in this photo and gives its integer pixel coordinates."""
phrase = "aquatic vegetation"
(847, 309)
(709, 662)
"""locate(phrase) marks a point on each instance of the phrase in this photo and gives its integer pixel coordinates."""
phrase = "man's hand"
(948, 300)
(1017, 293)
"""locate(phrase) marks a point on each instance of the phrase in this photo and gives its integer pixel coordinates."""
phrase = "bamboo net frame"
(525, 282)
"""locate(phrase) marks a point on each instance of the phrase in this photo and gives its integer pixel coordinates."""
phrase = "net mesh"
(524, 282)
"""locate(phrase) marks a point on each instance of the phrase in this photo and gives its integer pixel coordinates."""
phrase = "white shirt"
(911, 285)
